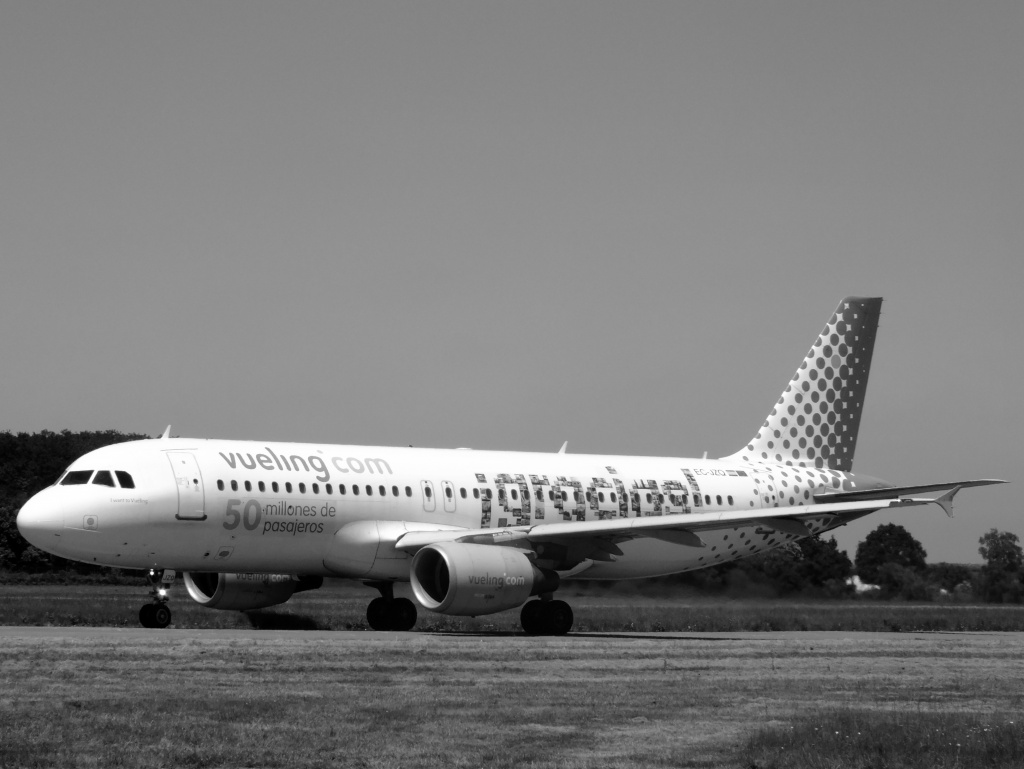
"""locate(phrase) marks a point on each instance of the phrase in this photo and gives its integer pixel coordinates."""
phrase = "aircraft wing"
(686, 528)
(898, 491)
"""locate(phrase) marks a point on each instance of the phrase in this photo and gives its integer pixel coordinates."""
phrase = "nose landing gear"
(158, 614)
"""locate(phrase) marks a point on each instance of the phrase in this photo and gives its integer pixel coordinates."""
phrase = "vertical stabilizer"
(815, 422)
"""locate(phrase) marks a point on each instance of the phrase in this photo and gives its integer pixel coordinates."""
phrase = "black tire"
(161, 615)
(146, 615)
(558, 618)
(403, 614)
(532, 617)
(378, 614)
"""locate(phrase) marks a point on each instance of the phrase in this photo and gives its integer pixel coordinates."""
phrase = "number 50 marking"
(249, 517)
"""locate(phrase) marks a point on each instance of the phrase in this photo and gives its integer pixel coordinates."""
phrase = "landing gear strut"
(157, 614)
(546, 617)
(388, 612)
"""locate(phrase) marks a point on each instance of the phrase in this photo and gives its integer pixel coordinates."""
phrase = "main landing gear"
(157, 614)
(388, 612)
(546, 617)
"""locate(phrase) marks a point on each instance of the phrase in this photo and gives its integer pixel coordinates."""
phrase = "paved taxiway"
(354, 636)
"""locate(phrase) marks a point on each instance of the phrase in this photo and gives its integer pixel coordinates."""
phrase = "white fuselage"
(238, 506)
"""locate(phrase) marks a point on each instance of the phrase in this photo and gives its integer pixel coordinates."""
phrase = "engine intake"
(471, 580)
(241, 592)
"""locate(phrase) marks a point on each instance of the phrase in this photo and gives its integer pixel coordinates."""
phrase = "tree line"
(889, 558)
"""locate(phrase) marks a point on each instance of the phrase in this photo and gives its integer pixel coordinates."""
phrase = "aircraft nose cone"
(39, 520)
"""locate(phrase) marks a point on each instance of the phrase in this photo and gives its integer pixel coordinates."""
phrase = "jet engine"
(470, 580)
(241, 592)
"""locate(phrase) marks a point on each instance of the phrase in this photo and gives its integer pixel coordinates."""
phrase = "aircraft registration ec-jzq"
(474, 532)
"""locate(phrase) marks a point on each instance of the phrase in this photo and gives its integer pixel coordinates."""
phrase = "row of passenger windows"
(125, 481)
(382, 491)
(314, 488)
(99, 478)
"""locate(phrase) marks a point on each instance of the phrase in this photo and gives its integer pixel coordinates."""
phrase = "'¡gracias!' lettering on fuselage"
(296, 463)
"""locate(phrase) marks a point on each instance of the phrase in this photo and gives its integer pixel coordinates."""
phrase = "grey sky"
(505, 225)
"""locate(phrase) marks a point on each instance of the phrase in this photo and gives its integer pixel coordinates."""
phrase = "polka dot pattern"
(815, 422)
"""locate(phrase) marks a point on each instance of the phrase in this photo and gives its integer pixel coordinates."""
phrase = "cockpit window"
(76, 478)
(103, 478)
(125, 479)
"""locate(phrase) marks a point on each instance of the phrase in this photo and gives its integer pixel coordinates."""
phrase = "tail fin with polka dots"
(815, 422)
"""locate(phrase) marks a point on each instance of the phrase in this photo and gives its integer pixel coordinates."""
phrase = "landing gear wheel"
(403, 614)
(398, 614)
(559, 618)
(378, 616)
(161, 615)
(155, 615)
(546, 618)
(532, 617)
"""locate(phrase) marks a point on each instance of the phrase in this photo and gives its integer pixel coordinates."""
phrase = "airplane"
(475, 532)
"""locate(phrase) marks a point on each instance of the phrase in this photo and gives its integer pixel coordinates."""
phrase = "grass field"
(85, 697)
(342, 606)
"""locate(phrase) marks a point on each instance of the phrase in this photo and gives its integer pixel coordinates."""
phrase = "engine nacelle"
(470, 580)
(241, 592)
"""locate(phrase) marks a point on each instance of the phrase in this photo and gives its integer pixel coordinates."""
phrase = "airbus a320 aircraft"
(474, 532)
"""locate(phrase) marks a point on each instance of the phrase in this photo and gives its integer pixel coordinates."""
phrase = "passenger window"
(649, 497)
(515, 494)
(262, 486)
(730, 499)
(76, 478)
(234, 485)
(328, 489)
(274, 486)
(220, 485)
(316, 488)
(707, 499)
(288, 486)
(565, 496)
(248, 486)
(462, 493)
(448, 492)
(341, 489)
(369, 490)
(103, 478)
(383, 491)
(426, 490)
(302, 488)
(551, 496)
(124, 479)
(718, 498)
(612, 496)
(394, 491)
(600, 496)
(355, 490)
(408, 491)
(476, 493)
